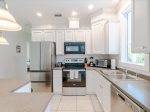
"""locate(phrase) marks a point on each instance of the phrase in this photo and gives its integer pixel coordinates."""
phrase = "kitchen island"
(13, 101)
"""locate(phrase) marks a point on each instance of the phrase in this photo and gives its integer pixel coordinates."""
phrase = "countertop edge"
(28, 81)
(128, 95)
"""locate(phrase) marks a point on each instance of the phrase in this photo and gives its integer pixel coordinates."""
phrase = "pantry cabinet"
(141, 26)
(60, 37)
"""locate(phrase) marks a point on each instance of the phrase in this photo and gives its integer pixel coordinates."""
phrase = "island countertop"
(21, 102)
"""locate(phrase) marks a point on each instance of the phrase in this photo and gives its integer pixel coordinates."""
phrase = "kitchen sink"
(122, 77)
(112, 72)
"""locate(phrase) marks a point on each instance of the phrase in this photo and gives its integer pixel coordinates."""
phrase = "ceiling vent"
(58, 15)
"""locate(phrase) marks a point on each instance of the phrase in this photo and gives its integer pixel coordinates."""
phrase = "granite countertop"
(24, 102)
(21, 102)
(137, 90)
(10, 85)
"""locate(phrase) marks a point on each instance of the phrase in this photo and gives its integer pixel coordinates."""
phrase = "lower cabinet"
(100, 86)
(24, 89)
(90, 81)
(57, 81)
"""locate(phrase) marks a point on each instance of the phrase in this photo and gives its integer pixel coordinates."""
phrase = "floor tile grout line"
(92, 103)
(59, 104)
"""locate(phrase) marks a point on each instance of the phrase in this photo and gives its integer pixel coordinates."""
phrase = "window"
(131, 58)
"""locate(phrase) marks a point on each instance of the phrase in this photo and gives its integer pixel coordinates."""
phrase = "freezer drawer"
(41, 76)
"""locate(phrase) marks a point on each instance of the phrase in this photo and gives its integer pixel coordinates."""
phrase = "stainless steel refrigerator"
(42, 61)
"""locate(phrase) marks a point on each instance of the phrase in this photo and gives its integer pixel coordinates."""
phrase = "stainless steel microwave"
(105, 63)
(74, 47)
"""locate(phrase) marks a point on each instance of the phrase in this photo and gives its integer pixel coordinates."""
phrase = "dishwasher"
(121, 103)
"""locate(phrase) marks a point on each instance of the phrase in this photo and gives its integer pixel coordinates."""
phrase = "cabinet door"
(88, 41)
(141, 26)
(57, 81)
(37, 36)
(106, 96)
(90, 81)
(60, 35)
(80, 35)
(69, 35)
(98, 38)
(49, 35)
(111, 38)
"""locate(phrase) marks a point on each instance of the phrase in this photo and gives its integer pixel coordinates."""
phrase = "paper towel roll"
(113, 64)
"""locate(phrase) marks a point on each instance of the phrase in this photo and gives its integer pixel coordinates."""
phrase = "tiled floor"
(87, 103)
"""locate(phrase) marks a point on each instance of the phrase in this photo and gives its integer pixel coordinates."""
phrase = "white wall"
(13, 65)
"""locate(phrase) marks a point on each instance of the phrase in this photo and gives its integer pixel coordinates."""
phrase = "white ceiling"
(25, 10)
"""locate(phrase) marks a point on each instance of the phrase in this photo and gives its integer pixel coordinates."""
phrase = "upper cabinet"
(80, 35)
(105, 37)
(98, 38)
(88, 41)
(60, 37)
(43, 35)
(49, 35)
(75, 35)
(37, 35)
(141, 26)
(69, 35)
(111, 37)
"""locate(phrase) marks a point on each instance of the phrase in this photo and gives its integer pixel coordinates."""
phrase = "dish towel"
(76, 74)
(71, 74)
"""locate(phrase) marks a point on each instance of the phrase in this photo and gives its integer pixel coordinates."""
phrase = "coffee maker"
(91, 64)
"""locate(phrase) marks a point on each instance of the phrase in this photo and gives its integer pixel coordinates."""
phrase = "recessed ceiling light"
(39, 14)
(90, 7)
(74, 13)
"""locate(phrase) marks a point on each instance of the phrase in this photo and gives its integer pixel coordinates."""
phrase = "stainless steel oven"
(74, 82)
(74, 47)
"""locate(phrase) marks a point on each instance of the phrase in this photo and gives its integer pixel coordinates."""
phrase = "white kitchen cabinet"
(88, 41)
(97, 84)
(80, 35)
(60, 36)
(49, 35)
(103, 92)
(37, 35)
(106, 96)
(90, 81)
(43, 35)
(24, 89)
(98, 38)
(141, 26)
(69, 35)
(57, 81)
(111, 37)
